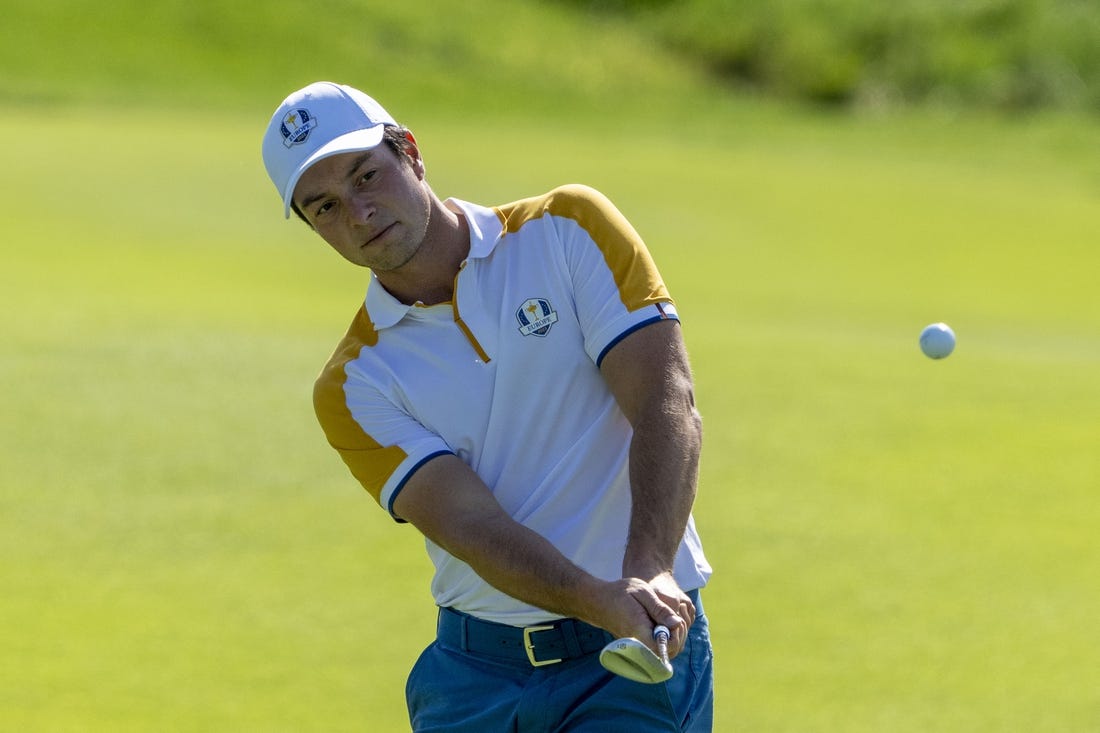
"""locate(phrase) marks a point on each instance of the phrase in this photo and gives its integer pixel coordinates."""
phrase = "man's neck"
(430, 277)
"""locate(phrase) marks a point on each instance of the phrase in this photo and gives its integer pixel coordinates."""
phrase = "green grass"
(900, 544)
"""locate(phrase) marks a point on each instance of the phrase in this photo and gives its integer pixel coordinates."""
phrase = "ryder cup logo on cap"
(296, 126)
(316, 122)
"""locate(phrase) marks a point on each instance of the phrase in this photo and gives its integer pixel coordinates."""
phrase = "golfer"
(516, 387)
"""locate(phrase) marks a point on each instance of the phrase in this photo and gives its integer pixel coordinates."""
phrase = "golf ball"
(937, 340)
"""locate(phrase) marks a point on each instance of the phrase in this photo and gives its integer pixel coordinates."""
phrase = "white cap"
(316, 122)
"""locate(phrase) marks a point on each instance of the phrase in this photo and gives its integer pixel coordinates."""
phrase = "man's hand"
(672, 595)
(631, 607)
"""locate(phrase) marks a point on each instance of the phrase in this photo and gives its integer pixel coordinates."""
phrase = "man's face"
(371, 206)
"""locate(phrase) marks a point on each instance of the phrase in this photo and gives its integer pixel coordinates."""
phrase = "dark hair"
(396, 139)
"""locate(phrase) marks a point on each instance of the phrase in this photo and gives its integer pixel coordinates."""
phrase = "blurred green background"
(899, 544)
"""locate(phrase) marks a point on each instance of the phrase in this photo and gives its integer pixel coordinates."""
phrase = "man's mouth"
(381, 232)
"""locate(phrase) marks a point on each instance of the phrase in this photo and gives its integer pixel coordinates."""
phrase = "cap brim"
(365, 139)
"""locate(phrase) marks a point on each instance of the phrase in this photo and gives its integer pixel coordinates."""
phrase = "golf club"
(634, 660)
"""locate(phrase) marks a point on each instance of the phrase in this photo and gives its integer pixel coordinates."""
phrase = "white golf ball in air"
(937, 340)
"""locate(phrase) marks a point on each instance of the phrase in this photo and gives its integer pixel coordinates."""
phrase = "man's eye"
(323, 208)
(366, 176)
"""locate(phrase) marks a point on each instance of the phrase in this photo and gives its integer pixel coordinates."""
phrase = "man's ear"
(413, 151)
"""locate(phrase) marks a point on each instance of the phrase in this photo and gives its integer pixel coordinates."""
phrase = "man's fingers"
(658, 601)
(683, 611)
(676, 599)
(660, 611)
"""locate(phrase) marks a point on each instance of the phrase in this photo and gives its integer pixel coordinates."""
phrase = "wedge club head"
(634, 660)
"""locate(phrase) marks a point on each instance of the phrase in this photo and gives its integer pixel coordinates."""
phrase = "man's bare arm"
(649, 374)
(452, 507)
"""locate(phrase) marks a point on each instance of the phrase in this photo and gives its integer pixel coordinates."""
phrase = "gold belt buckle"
(530, 648)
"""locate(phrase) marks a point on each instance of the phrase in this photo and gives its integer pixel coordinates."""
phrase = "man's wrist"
(647, 565)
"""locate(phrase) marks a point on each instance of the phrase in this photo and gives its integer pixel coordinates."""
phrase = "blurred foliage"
(474, 57)
(1008, 54)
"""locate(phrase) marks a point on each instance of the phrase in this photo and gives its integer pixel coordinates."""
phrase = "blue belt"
(538, 645)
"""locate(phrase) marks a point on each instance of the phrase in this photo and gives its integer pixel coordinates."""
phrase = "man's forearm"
(649, 374)
(450, 505)
(522, 563)
(664, 469)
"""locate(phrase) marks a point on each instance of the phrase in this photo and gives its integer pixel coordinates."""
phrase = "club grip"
(660, 633)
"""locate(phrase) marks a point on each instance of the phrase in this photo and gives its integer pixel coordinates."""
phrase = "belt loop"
(569, 636)
(464, 633)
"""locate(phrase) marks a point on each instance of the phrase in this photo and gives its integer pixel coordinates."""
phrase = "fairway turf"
(899, 544)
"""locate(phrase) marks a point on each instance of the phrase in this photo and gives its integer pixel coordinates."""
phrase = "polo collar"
(486, 226)
(486, 229)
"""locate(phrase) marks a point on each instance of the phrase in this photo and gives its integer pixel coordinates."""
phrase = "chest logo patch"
(536, 317)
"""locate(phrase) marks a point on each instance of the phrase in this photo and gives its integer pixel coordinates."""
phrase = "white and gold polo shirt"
(506, 377)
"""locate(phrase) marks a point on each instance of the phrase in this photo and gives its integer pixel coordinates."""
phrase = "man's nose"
(360, 209)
